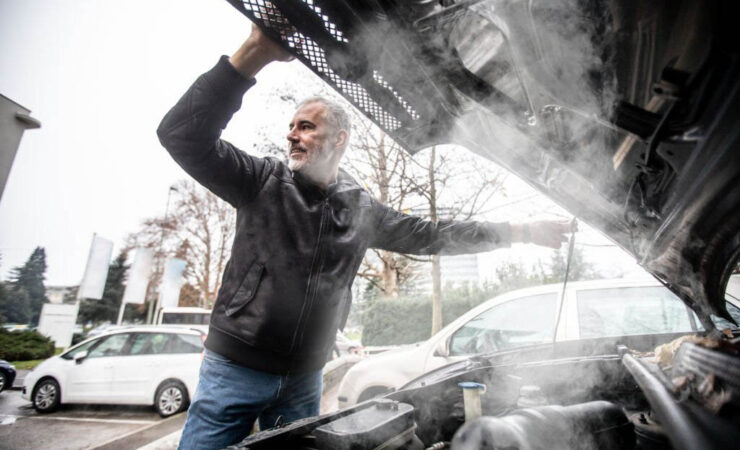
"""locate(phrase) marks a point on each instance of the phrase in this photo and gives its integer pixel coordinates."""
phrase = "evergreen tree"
(12, 311)
(106, 309)
(580, 268)
(26, 294)
(514, 275)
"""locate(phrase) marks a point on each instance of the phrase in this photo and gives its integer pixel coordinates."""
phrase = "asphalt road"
(80, 427)
(99, 427)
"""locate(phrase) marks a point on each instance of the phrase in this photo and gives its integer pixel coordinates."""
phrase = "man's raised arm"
(402, 233)
(191, 130)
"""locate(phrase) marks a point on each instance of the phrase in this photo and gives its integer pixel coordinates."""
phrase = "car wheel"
(46, 396)
(3, 381)
(171, 398)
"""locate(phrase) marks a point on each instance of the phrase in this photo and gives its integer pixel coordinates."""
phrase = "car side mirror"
(79, 357)
(441, 349)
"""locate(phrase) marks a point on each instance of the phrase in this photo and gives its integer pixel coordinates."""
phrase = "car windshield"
(522, 321)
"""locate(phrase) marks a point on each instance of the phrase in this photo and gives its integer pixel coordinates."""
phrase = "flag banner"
(138, 276)
(172, 281)
(93, 282)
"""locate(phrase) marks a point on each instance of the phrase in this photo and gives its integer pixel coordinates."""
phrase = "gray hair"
(336, 115)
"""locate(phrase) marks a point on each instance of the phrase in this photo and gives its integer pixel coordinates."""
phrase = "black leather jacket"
(286, 288)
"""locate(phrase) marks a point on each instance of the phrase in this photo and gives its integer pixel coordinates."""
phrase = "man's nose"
(292, 136)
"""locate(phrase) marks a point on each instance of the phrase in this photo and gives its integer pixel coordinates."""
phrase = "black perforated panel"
(310, 53)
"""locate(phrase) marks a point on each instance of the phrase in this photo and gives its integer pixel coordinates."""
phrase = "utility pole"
(152, 311)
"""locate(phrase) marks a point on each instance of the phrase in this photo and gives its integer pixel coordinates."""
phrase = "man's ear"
(340, 139)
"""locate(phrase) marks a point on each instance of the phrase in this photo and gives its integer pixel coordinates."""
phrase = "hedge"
(406, 320)
(24, 345)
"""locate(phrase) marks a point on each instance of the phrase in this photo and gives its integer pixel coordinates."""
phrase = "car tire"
(46, 396)
(171, 398)
(3, 381)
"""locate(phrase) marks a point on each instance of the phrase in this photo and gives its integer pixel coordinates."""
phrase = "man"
(301, 233)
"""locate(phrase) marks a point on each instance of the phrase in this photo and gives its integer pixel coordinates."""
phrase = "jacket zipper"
(313, 281)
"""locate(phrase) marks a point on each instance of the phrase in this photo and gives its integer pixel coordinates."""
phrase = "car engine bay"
(621, 399)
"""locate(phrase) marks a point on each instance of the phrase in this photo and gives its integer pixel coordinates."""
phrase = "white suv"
(133, 366)
(591, 309)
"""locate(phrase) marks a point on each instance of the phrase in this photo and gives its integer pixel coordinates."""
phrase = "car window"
(82, 348)
(518, 322)
(630, 311)
(184, 343)
(110, 346)
(149, 343)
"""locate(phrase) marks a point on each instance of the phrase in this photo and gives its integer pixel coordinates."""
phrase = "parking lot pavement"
(77, 427)
(98, 427)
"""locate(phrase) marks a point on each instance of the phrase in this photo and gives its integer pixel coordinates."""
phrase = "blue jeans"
(230, 397)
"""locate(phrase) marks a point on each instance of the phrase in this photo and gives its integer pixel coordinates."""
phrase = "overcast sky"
(100, 75)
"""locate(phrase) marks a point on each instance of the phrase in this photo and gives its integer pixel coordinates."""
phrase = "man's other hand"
(547, 233)
(256, 52)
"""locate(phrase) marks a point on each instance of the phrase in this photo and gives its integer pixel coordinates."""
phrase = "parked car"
(7, 375)
(591, 309)
(131, 366)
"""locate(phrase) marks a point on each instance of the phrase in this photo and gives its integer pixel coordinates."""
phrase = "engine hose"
(593, 425)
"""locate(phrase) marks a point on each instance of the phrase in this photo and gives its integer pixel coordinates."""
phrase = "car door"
(517, 322)
(138, 370)
(90, 380)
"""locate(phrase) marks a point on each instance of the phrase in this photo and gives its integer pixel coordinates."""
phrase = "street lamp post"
(152, 311)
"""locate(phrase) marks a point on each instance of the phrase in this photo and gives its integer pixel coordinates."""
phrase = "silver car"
(591, 309)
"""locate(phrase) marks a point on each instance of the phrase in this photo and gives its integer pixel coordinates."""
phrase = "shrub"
(24, 345)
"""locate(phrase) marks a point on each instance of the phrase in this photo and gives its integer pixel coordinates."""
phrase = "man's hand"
(547, 233)
(257, 52)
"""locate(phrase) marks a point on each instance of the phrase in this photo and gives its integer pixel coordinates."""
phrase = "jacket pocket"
(247, 290)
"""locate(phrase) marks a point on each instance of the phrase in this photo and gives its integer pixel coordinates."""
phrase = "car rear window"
(630, 311)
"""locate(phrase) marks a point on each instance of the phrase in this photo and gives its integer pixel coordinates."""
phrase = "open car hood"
(624, 113)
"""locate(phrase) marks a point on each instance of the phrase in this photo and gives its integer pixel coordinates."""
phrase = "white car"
(591, 309)
(132, 366)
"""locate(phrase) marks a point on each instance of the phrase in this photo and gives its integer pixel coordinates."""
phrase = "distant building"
(455, 270)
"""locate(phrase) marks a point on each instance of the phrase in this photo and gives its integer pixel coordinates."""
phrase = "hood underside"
(623, 112)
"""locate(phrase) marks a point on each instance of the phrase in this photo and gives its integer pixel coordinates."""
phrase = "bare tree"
(382, 167)
(454, 185)
(199, 229)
